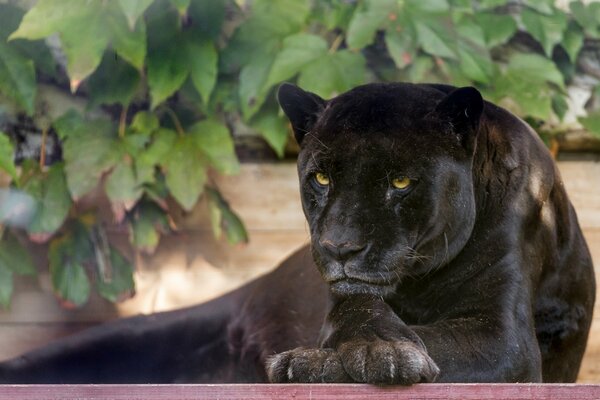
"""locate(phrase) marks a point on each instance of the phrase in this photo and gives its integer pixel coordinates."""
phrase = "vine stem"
(123, 121)
(176, 121)
(43, 147)
(336, 44)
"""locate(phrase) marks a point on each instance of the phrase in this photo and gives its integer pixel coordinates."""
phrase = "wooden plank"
(301, 392)
(581, 180)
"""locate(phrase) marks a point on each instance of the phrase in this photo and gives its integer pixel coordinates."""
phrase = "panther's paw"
(387, 362)
(306, 366)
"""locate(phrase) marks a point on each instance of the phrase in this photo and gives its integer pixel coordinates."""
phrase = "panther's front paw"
(387, 362)
(306, 366)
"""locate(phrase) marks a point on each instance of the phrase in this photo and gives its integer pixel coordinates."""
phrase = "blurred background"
(145, 165)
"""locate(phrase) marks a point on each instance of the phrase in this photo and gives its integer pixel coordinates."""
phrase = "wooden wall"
(192, 267)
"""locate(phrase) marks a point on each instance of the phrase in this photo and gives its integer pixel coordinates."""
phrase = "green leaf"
(592, 123)
(535, 68)
(129, 44)
(542, 6)
(203, 64)
(291, 14)
(6, 286)
(115, 81)
(400, 46)
(17, 78)
(491, 3)
(119, 285)
(145, 122)
(546, 29)
(7, 152)
(163, 141)
(588, 16)
(573, 41)
(207, 17)
(90, 149)
(66, 256)
(123, 189)
(497, 29)
(528, 81)
(273, 129)
(147, 224)
(48, 16)
(433, 39)
(181, 5)
(214, 140)
(85, 29)
(560, 105)
(185, 172)
(70, 283)
(252, 89)
(373, 15)
(53, 201)
(167, 59)
(10, 18)
(133, 9)
(298, 51)
(223, 219)
(84, 40)
(13, 257)
(333, 73)
(475, 62)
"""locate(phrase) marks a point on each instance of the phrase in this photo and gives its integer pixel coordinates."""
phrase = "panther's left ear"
(301, 107)
(462, 108)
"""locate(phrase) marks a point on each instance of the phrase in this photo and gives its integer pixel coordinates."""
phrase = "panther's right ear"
(301, 107)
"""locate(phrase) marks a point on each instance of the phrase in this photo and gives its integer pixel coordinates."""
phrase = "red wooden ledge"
(300, 392)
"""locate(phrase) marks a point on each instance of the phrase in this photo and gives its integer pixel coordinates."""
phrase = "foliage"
(163, 79)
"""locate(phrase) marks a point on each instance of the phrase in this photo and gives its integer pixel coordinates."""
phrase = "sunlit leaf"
(185, 172)
(214, 140)
(332, 74)
(497, 29)
(298, 51)
(373, 15)
(133, 9)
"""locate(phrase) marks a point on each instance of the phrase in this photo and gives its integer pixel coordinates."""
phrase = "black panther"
(443, 248)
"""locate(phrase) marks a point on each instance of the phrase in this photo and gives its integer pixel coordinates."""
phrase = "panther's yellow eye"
(322, 179)
(401, 183)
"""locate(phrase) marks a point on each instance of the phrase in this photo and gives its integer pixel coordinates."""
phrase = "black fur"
(476, 271)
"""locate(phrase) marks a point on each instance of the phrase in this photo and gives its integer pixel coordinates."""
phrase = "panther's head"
(385, 180)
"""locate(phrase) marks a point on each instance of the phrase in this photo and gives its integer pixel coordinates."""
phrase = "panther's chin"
(349, 286)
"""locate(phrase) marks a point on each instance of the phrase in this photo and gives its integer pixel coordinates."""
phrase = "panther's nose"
(341, 250)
